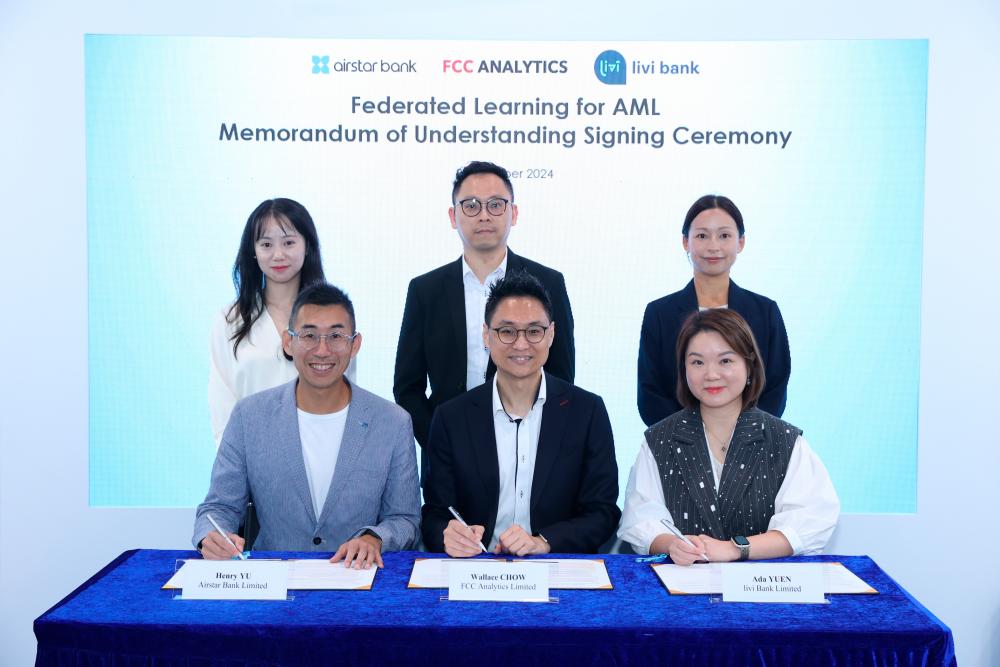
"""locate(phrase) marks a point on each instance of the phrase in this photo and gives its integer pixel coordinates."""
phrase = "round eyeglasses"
(309, 340)
(494, 206)
(533, 334)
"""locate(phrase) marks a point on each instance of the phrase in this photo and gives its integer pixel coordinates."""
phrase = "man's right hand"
(461, 541)
(215, 547)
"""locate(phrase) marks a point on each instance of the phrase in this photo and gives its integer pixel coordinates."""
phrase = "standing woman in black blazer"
(713, 235)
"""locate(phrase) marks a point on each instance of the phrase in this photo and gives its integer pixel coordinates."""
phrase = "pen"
(458, 517)
(673, 529)
(226, 537)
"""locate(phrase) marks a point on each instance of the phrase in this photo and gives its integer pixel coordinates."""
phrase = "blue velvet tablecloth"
(121, 618)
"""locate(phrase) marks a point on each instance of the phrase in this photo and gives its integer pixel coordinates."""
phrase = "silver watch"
(743, 544)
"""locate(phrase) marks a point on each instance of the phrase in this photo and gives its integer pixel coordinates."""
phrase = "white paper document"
(317, 574)
(706, 579)
(564, 573)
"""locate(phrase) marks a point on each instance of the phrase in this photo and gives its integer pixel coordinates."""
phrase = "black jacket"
(574, 490)
(432, 342)
(661, 325)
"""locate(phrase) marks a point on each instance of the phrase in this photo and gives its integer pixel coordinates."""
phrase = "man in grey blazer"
(328, 464)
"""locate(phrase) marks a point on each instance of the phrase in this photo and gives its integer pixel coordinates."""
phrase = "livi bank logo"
(610, 68)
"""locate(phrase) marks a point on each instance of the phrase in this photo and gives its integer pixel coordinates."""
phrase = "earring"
(748, 380)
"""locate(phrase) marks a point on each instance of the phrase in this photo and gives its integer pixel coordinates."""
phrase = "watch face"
(741, 541)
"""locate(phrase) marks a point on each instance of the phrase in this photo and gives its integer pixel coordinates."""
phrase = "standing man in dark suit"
(441, 335)
(527, 459)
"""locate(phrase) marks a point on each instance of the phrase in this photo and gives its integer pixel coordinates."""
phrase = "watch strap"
(744, 546)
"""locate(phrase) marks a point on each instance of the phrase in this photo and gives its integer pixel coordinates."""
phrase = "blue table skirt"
(121, 618)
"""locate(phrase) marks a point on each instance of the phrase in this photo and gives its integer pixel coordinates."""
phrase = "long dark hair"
(247, 276)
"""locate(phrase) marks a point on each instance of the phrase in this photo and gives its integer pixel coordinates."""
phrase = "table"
(121, 617)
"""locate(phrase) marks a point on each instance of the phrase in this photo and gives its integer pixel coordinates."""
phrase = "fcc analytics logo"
(610, 68)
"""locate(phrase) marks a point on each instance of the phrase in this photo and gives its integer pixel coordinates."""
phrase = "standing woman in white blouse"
(278, 256)
(738, 482)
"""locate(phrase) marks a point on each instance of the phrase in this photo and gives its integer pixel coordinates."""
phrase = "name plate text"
(773, 582)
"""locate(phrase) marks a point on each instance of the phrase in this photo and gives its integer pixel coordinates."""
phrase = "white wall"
(50, 541)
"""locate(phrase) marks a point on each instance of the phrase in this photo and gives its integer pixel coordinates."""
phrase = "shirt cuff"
(641, 535)
(793, 537)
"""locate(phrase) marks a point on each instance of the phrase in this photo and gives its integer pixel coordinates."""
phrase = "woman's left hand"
(720, 551)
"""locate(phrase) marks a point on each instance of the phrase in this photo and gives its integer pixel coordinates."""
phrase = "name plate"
(498, 581)
(234, 580)
(773, 582)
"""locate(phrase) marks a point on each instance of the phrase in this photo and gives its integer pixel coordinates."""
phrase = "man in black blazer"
(527, 459)
(437, 332)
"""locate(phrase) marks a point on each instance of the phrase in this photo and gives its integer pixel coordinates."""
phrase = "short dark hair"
(322, 294)
(514, 284)
(737, 334)
(478, 167)
(707, 203)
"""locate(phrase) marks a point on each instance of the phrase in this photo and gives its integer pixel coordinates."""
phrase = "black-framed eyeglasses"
(494, 206)
(533, 334)
(309, 340)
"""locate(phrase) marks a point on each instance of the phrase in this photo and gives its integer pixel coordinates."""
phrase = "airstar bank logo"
(321, 64)
(610, 68)
(324, 65)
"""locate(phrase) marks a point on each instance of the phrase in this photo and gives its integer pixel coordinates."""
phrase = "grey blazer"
(374, 484)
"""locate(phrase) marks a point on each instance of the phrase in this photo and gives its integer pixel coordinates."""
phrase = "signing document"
(313, 574)
(564, 573)
(706, 579)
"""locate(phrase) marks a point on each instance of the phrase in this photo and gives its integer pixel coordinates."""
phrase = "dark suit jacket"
(432, 338)
(657, 392)
(574, 491)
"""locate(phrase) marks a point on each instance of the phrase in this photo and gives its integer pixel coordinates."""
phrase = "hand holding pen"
(679, 535)
(462, 540)
(218, 545)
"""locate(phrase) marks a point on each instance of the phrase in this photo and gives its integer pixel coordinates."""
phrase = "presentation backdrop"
(820, 144)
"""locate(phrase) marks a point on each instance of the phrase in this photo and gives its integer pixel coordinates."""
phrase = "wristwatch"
(743, 544)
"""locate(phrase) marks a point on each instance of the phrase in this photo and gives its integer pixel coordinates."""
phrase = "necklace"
(723, 444)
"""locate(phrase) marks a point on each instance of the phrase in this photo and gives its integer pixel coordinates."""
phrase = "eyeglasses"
(309, 340)
(494, 206)
(533, 334)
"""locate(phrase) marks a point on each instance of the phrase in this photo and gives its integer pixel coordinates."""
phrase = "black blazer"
(574, 491)
(657, 391)
(432, 338)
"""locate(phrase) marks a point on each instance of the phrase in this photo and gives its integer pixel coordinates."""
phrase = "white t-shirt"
(321, 436)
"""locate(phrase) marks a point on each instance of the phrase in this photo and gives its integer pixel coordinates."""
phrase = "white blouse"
(806, 508)
(259, 366)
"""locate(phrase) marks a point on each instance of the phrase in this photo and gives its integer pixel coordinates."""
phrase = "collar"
(690, 429)
(498, 406)
(497, 273)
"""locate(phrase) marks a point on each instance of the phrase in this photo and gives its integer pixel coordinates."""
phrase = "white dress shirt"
(321, 436)
(476, 354)
(517, 446)
(805, 510)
